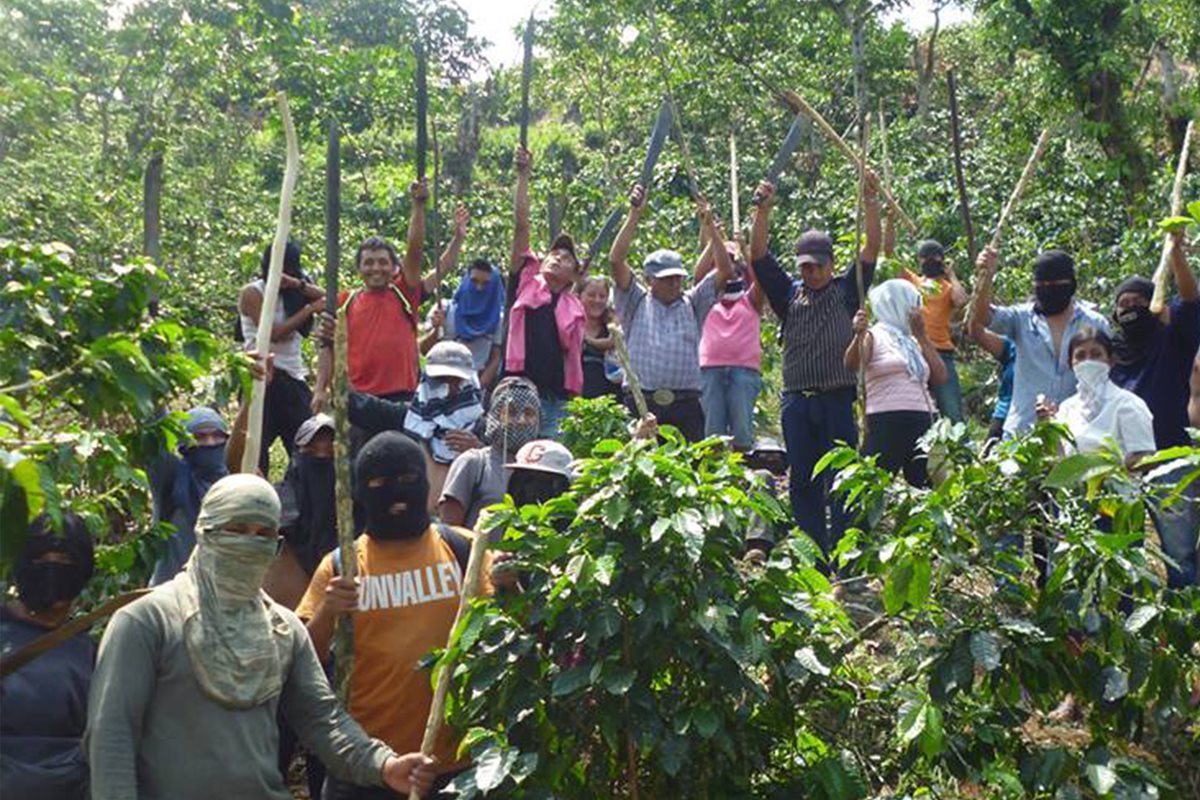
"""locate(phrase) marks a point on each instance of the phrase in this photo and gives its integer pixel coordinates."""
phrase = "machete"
(526, 76)
(658, 137)
(333, 220)
(422, 111)
(784, 154)
(604, 237)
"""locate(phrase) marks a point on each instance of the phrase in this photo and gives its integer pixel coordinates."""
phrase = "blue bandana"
(477, 311)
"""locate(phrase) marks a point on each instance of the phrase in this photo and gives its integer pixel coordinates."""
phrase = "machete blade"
(526, 77)
(604, 237)
(422, 111)
(333, 219)
(784, 154)
(658, 137)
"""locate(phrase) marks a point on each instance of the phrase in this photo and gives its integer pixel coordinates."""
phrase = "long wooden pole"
(734, 201)
(271, 291)
(959, 179)
(470, 590)
(631, 378)
(799, 105)
(1162, 274)
(343, 634)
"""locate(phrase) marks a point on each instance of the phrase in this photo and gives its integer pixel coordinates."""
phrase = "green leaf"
(571, 680)
(912, 720)
(895, 587)
(1077, 469)
(706, 721)
(618, 679)
(985, 647)
(660, 527)
(605, 565)
(1139, 617)
(932, 738)
(1102, 777)
(689, 524)
(808, 659)
(1193, 208)
(1116, 684)
(918, 588)
(1172, 224)
(492, 767)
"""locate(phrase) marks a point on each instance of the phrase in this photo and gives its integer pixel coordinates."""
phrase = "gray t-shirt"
(477, 479)
(480, 346)
(153, 732)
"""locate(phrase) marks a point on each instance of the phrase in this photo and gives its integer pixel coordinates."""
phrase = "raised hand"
(462, 217)
(409, 772)
(523, 160)
(860, 323)
(637, 196)
(764, 195)
(985, 262)
(419, 191)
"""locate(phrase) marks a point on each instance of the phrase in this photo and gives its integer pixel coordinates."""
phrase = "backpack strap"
(403, 298)
(459, 544)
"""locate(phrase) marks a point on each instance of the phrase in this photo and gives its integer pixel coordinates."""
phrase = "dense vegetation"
(140, 162)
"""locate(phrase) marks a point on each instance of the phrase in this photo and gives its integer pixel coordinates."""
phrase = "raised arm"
(520, 244)
(760, 230)
(250, 303)
(985, 270)
(716, 242)
(871, 216)
(1185, 279)
(705, 263)
(958, 295)
(618, 255)
(449, 259)
(414, 252)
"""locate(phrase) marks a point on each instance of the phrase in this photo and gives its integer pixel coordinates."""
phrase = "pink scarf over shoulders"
(532, 292)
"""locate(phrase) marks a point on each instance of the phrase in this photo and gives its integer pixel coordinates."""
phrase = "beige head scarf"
(236, 641)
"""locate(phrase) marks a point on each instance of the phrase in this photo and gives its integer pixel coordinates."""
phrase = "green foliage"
(86, 377)
(589, 422)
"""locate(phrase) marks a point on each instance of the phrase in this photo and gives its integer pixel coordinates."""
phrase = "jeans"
(1178, 526)
(553, 411)
(948, 395)
(728, 397)
(811, 424)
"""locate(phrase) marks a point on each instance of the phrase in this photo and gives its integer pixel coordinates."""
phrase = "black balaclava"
(1136, 325)
(932, 258)
(293, 299)
(401, 463)
(42, 584)
(1053, 265)
(317, 500)
(529, 486)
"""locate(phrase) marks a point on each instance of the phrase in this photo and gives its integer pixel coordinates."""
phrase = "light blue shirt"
(1037, 369)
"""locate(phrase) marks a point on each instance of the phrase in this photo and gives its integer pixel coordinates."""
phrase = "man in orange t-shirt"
(404, 603)
(943, 296)
(382, 316)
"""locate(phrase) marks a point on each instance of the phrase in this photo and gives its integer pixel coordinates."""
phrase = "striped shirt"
(815, 325)
(664, 340)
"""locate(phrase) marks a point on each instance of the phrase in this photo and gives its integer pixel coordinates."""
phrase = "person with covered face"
(474, 318)
(288, 399)
(1040, 331)
(180, 482)
(901, 363)
(191, 678)
(663, 325)
(546, 320)
(44, 708)
(943, 296)
(731, 352)
(477, 478)
(816, 312)
(403, 604)
(1152, 357)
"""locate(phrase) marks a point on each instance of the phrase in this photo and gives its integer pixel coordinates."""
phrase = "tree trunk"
(1102, 105)
(152, 208)
(1176, 117)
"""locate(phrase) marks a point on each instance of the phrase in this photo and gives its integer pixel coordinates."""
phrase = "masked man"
(191, 678)
(403, 604)
(44, 710)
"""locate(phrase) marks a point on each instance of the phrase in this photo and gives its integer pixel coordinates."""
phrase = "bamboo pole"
(470, 590)
(271, 291)
(343, 635)
(1162, 274)
(734, 201)
(631, 378)
(799, 105)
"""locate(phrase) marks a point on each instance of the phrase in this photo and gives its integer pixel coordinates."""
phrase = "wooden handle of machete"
(470, 590)
(635, 385)
(1161, 275)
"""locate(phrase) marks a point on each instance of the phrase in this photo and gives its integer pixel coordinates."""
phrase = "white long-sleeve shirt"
(1123, 416)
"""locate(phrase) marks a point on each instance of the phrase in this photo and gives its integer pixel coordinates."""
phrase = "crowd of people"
(206, 686)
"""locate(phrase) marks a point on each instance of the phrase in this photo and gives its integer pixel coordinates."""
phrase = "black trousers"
(287, 404)
(685, 413)
(892, 435)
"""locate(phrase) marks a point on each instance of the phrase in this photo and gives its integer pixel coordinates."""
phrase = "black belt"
(666, 397)
(816, 392)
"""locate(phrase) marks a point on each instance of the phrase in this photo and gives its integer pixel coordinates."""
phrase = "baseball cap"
(930, 249)
(664, 264)
(564, 242)
(450, 360)
(311, 426)
(544, 455)
(814, 247)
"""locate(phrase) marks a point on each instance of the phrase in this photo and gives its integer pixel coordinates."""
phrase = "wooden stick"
(635, 385)
(470, 590)
(959, 180)
(1162, 274)
(1026, 175)
(734, 200)
(271, 291)
(343, 634)
(799, 105)
(53, 638)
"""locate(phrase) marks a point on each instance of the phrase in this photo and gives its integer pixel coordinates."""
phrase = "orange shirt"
(938, 308)
(381, 339)
(408, 596)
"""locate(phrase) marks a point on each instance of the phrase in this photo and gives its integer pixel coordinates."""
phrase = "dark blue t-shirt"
(1161, 378)
(1008, 363)
(43, 712)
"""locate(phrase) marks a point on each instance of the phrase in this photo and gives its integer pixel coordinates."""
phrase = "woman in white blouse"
(1100, 410)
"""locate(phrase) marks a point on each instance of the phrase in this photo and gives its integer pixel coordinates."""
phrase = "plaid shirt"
(664, 340)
